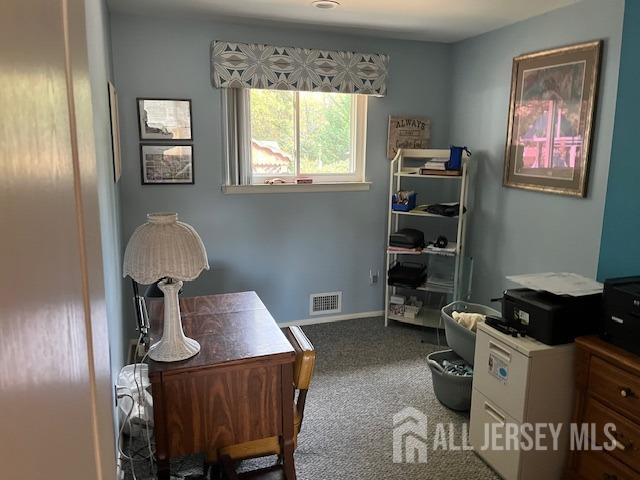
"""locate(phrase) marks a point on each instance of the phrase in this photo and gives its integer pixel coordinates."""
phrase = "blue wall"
(284, 246)
(98, 46)
(621, 230)
(517, 231)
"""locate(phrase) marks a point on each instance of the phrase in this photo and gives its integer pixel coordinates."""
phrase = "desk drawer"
(618, 387)
(508, 393)
(601, 466)
(627, 433)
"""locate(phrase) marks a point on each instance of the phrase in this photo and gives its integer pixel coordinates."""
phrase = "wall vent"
(323, 303)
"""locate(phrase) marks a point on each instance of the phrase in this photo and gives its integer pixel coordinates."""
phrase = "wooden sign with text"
(407, 132)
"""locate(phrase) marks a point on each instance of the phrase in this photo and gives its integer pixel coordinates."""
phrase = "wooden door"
(55, 400)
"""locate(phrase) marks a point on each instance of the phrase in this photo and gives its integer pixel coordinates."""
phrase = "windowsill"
(293, 187)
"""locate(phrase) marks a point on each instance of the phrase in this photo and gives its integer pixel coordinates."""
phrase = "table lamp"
(164, 248)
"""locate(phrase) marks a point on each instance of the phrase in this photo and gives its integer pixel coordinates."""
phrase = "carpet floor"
(365, 373)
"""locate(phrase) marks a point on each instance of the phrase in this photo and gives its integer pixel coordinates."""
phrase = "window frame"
(358, 133)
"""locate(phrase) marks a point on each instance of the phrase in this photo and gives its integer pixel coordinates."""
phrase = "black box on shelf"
(407, 274)
(407, 238)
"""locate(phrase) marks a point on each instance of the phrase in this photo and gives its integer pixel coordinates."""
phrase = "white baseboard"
(332, 318)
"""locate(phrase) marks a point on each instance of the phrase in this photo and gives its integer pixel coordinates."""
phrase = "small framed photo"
(164, 164)
(164, 119)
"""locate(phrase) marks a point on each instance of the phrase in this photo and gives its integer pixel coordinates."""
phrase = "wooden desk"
(238, 388)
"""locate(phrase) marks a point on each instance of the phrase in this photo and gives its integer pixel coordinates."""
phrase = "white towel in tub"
(468, 320)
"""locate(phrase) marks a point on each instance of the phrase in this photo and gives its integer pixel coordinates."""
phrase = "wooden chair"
(302, 375)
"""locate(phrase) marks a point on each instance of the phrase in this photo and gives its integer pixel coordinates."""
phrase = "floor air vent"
(323, 303)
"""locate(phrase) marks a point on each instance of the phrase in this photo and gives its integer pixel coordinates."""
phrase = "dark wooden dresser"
(608, 391)
(238, 388)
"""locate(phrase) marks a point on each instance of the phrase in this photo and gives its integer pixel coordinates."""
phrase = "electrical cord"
(140, 391)
(119, 441)
(146, 417)
(132, 462)
(127, 420)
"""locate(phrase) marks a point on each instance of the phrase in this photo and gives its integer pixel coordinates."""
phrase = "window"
(288, 134)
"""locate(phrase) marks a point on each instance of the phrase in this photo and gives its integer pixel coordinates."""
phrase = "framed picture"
(115, 131)
(162, 164)
(551, 119)
(164, 119)
(407, 132)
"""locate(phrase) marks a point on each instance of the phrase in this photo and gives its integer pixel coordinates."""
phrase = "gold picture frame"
(551, 119)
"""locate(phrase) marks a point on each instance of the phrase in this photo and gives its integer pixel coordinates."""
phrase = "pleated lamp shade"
(164, 247)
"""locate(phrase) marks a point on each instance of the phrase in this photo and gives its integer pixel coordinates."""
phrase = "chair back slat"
(305, 357)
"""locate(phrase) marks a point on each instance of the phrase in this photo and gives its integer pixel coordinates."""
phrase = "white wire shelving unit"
(399, 171)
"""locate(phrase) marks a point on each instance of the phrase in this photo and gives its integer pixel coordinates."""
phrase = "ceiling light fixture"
(325, 4)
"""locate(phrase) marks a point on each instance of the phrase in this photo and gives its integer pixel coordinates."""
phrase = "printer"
(549, 318)
(621, 325)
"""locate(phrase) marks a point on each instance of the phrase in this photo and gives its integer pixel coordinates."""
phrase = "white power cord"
(132, 462)
(127, 420)
(140, 391)
(119, 444)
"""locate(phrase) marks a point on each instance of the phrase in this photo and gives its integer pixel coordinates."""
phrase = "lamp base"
(174, 345)
(167, 351)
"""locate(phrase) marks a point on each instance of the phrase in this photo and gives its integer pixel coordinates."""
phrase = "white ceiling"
(434, 20)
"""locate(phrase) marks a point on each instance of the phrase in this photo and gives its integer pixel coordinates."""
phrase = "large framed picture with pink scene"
(551, 119)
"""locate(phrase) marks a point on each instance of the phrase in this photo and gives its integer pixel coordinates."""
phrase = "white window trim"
(333, 182)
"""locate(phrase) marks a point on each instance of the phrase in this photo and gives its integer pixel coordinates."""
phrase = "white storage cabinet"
(520, 380)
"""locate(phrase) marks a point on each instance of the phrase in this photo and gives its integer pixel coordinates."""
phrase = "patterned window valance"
(252, 65)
